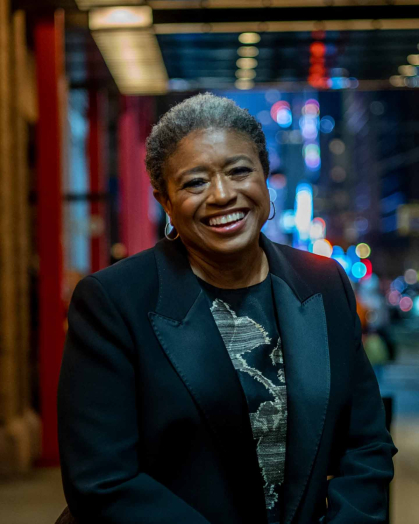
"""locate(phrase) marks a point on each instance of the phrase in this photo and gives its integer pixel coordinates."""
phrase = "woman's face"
(217, 197)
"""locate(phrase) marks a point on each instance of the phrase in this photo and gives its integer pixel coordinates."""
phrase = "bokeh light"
(249, 38)
(311, 154)
(246, 74)
(337, 147)
(244, 84)
(338, 174)
(359, 270)
(363, 250)
(406, 303)
(411, 276)
(246, 63)
(327, 124)
(393, 297)
(323, 247)
(278, 181)
(248, 51)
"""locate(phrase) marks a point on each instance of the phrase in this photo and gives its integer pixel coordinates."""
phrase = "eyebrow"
(229, 161)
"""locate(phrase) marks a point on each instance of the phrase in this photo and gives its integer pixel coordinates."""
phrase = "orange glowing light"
(317, 49)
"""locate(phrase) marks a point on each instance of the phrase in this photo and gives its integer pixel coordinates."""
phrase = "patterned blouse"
(246, 319)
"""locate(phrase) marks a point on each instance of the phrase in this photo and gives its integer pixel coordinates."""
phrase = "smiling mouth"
(225, 220)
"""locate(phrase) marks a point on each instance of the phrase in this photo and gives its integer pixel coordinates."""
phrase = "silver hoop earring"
(167, 233)
(273, 216)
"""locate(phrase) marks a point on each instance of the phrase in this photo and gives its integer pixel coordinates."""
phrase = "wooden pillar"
(8, 387)
(49, 46)
(19, 425)
(98, 187)
(138, 230)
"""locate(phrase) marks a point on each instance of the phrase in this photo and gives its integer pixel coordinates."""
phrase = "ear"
(163, 201)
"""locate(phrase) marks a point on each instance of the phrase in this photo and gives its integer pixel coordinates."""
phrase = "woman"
(219, 377)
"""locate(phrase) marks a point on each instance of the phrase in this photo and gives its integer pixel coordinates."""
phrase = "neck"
(233, 272)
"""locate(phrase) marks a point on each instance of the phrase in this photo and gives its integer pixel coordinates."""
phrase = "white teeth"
(226, 219)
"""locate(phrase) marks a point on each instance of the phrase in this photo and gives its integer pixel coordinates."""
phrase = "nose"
(222, 191)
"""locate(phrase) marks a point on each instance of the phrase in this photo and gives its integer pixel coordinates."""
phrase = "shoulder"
(134, 278)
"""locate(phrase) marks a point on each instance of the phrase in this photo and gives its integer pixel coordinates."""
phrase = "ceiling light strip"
(289, 27)
(134, 60)
(257, 4)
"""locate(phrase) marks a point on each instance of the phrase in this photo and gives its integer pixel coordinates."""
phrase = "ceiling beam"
(283, 14)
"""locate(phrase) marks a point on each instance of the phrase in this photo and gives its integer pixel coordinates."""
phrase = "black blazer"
(153, 422)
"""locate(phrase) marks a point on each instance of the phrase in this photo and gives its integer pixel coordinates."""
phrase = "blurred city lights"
(363, 250)
(323, 247)
(359, 270)
(244, 84)
(413, 60)
(246, 63)
(281, 113)
(317, 49)
(303, 209)
(249, 38)
(311, 154)
(397, 81)
(398, 284)
(344, 261)
(393, 297)
(327, 124)
(248, 51)
(416, 305)
(411, 276)
(368, 265)
(277, 181)
(407, 70)
(406, 304)
(308, 127)
(272, 194)
(337, 147)
(288, 220)
(317, 229)
(272, 96)
(246, 74)
(311, 107)
(338, 174)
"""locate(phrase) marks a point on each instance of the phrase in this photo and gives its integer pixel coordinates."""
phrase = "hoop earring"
(167, 233)
(273, 216)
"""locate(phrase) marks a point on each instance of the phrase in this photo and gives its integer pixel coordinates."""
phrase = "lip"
(231, 228)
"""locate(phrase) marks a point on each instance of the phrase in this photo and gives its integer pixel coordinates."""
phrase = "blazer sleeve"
(98, 424)
(358, 493)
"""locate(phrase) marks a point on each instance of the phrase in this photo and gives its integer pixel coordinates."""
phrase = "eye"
(241, 170)
(195, 182)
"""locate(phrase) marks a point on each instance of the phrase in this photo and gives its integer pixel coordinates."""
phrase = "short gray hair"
(203, 111)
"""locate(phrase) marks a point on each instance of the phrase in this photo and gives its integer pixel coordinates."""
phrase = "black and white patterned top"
(246, 319)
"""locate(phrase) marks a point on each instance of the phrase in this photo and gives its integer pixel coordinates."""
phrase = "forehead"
(209, 146)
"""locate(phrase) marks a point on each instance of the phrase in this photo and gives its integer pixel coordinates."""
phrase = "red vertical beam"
(138, 230)
(96, 151)
(49, 49)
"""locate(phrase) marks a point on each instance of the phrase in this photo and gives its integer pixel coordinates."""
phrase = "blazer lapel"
(186, 330)
(302, 324)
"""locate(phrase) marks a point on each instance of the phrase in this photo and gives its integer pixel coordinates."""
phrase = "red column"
(138, 229)
(49, 48)
(97, 165)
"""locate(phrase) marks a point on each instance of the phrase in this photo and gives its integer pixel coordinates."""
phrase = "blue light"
(344, 261)
(359, 270)
(327, 124)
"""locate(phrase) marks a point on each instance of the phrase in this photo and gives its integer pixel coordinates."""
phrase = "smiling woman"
(219, 378)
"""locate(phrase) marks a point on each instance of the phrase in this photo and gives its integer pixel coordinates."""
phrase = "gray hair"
(203, 111)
